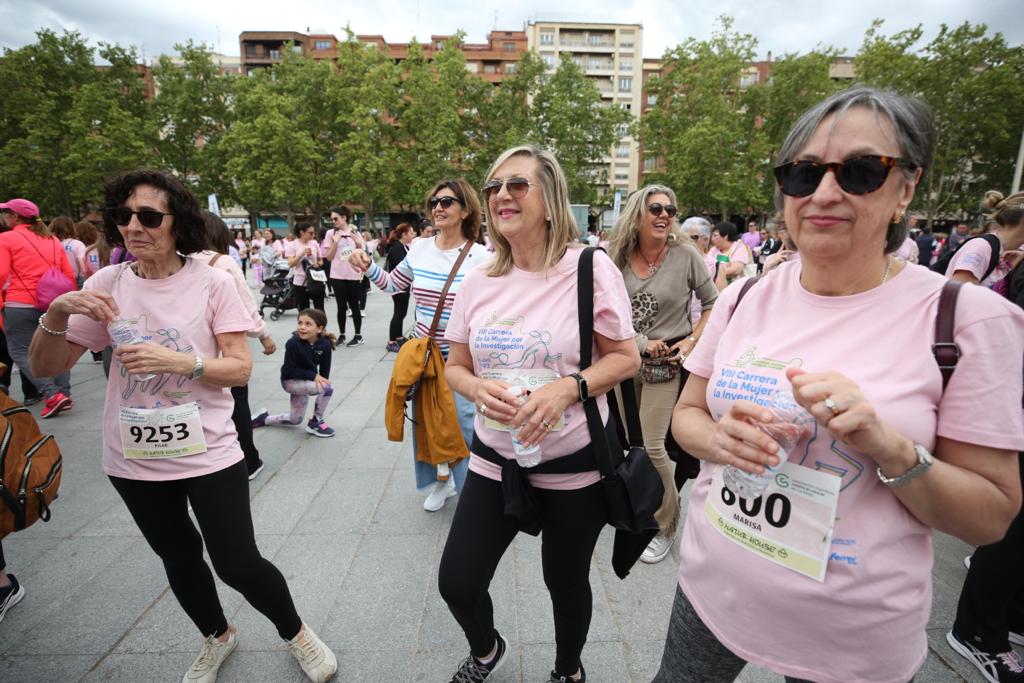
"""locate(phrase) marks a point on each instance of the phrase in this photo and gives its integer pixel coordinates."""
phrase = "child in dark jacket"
(305, 373)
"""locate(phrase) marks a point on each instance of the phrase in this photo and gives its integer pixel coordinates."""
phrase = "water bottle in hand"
(124, 332)
(790, 423)
(526, 456)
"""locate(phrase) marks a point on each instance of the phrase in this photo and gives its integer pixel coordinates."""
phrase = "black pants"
(992, 599)
(365, 284)
(3, 561)
(28, 389)
(245, 265)
(401, 301)
(346, 295)
(242, 417)
(480, 534)
(302, 298)
(221, 505)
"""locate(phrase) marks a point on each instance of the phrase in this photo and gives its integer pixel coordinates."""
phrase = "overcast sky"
(779, 25)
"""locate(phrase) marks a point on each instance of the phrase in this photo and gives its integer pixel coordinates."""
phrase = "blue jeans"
(426, 475)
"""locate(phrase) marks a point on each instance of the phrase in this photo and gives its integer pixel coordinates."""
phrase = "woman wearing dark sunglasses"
(516, 323)
(662, 270)
(827, 575)
(161, 451)
(455, 209)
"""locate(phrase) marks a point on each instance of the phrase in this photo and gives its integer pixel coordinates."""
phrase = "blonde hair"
(627, 228)
(561, 226)
(1007, 212)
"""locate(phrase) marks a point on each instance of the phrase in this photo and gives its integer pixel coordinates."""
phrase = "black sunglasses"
(445, 202)
(859, 175)
(148, 218)
(656, 208)
(517, 188)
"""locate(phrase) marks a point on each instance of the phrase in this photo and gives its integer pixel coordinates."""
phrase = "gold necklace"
(888, 267)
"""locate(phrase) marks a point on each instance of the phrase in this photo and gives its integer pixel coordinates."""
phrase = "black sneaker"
(1004, 667)
(356, 341)
(567, 678)
(1017, 637)
(318, 427)
(10, 595)
(340, 340)
(255, 472)
(260, 419)
(473, 671)
(32, 400)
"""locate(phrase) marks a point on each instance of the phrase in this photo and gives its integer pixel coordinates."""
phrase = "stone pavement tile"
(81, 621)
(240, 667)
(603, 660)
(643, 657)
(438, 665)
(285, 496)
(381, 599)
(46, 667)
(346, 503)
(372, 450)
(363, 667)
(401, 509)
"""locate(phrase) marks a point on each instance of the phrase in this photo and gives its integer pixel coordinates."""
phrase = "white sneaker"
(213, 654)
(967, 561)
(315, 658)
(657, 549)
(442, 491)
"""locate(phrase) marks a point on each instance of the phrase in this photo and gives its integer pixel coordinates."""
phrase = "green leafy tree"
(704, 126)
(974, 83)
(571, 121)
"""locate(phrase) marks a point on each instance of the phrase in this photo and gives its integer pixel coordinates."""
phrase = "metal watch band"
(924, 461)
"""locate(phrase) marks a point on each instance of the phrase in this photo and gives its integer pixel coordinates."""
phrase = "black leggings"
(302, 298)
(346, 295)
(479, 536)
(241, 416)
(398, 317)
(992, 599)
(221, 504)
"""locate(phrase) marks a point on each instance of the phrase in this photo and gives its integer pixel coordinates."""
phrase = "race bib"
(318, 275)
(172, 432)
(790, 524)
(531, 380)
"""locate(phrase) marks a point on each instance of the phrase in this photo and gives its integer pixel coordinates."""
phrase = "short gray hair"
(701, 225)
(911, 118)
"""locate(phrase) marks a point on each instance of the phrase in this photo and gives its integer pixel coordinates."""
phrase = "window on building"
(275, 54)
(323, 45)
(472, 67)
(625, 65)
(547, 38)
(297, 49)
(626, 38)
(508, 47)
(490, 68)
(625, 85)
(510, 67)
(622, 151)
(652, 100)
(598, 40)
(650, 164)
(549, 61)
(748, 80)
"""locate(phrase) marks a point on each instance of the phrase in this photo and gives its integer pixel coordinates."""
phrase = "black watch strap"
(581, 384)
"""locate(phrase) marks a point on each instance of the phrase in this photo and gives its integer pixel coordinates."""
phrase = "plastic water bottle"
(526, 456)
(123, 332)
(790, 422)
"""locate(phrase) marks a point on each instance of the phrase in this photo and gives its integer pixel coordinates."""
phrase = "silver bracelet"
(47, 330)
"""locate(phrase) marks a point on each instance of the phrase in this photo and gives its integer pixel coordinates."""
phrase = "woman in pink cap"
(27, 251)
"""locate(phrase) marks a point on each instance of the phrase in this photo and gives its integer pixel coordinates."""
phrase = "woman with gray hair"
(515, 325)
(826, 575)
(662, 270)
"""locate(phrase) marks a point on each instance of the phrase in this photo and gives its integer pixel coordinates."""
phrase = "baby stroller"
(277, 290)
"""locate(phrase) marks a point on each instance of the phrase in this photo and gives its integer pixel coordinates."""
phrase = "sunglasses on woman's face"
(148, 218)
(444, 202)
(859, 175)
(517, 188)
(657, 208)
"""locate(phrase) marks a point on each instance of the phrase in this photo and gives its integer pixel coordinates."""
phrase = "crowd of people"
(824, 575)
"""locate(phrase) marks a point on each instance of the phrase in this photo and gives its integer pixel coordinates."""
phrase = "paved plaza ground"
(343, 521)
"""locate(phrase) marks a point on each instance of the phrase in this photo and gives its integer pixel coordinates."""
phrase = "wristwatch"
(924, 461)
(197, 369)
(581, 383)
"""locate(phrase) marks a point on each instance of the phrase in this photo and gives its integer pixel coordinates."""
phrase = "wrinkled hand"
(739, 443)
(360, 260)
(150, 358)
(854, 421)
(321, 382)
(99, 306)
(268, 345)
(546, 404)
(492, 400)
(776, 259)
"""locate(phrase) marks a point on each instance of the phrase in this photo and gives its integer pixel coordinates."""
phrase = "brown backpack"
(30, 468)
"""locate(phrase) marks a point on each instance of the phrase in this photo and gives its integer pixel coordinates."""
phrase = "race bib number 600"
(790, 524)
(171, 432)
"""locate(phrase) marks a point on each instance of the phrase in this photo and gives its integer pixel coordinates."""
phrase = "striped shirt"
(423, 272)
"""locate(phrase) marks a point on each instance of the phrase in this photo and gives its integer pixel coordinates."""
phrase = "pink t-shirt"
(297, 247)
(165, 320)
(908, 251)
(866, 621)
(529, 321)
(341, 269)
(975, 256)
(75, 250)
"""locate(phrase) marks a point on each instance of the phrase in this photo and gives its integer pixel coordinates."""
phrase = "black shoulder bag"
(632, 486)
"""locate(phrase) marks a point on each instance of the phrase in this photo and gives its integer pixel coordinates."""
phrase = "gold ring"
(831, 405)
(547, 425)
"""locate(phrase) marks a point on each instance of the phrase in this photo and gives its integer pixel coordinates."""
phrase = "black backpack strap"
(945, 349)
(997, 251)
